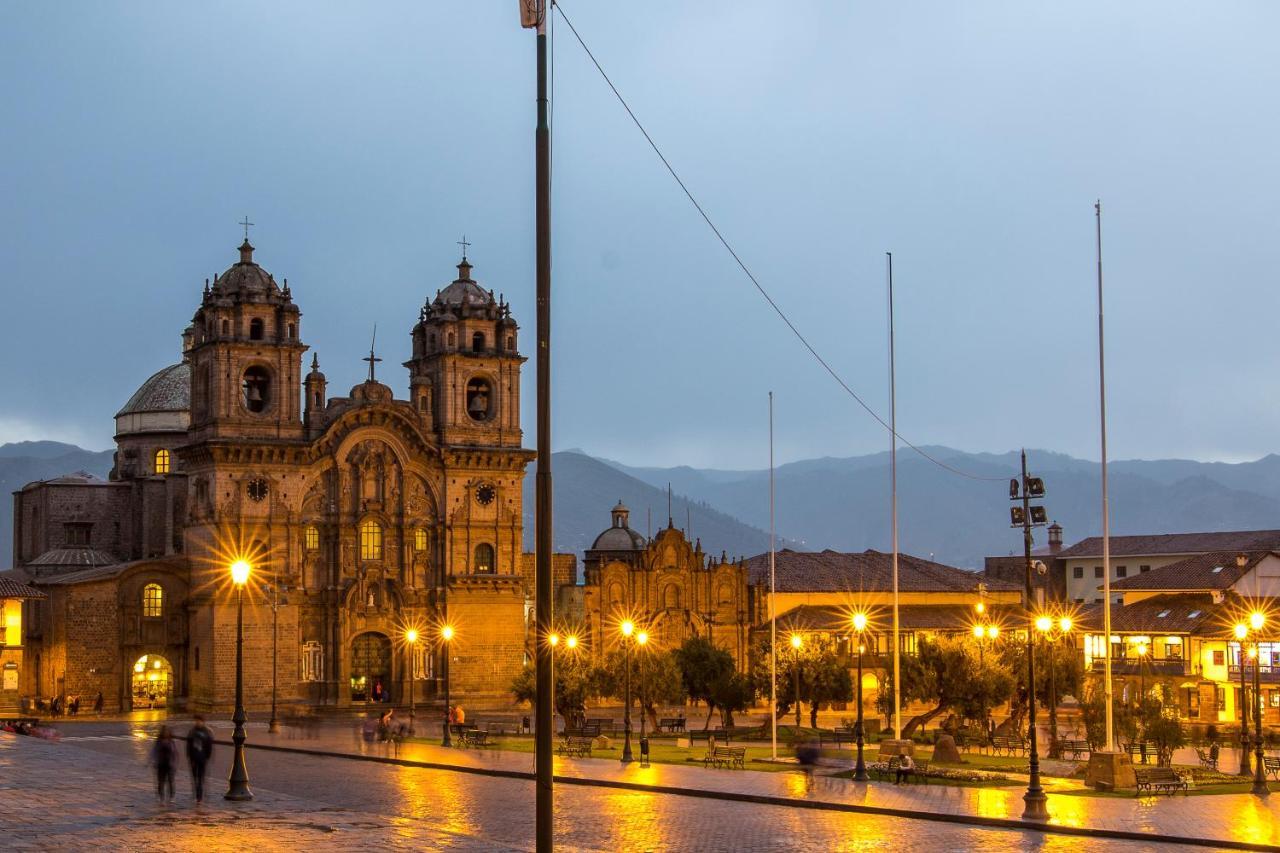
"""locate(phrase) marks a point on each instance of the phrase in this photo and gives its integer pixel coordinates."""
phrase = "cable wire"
(742, 265)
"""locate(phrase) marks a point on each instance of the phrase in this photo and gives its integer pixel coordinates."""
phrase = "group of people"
(69, 705)
(164, 759)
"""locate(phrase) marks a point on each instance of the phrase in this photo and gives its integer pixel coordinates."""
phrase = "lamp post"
(1256, 621)
(1242, 631)
(627, 628)
(641, 639)
(1141, 649)
(859, 767)
(446, 635)
(796, 643)
(1027, 516)
(411, 637)
(238, 784)
(274, 726)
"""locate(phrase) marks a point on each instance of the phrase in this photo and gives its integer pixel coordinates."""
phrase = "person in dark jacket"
(164, 758)
(199, 751)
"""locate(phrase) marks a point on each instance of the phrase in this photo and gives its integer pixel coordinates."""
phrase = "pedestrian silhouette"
(164, 758)
(199, 751)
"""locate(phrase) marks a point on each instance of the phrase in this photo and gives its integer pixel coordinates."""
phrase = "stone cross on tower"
(464, 244)
(372, 359)
(246, 223)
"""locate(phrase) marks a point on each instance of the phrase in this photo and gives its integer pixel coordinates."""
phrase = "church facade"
(363, 516)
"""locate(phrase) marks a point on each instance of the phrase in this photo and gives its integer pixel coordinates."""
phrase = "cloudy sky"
(970, 139)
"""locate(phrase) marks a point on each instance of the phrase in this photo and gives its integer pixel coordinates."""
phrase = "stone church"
(363, 516)
(666, 585)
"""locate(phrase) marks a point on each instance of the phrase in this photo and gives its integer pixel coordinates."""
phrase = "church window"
(477, 342)
(312, 537)
(671, 597)
(315, 399)
(615, 594)
(293, 331)
(451, 339)
(255, 329)
(152, 601)
(424, 401)
(420, 539)
(511, 343)
(371, 540)
(725, 593)
(226, 327)
(479, 399)
(162, 461)
(77, 533)
(312, 661)
(257, 389)
(484, 559)
(432, 342)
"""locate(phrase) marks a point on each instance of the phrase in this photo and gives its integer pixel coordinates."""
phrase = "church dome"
(464, 290)
(619, 537)
(245, 278)
(168, 390)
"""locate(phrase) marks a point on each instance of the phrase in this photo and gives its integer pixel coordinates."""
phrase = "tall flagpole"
(773, 624)
(893, 476)
(1106, 511)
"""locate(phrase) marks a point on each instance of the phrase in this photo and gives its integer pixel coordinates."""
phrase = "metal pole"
(238, 784)
(1035, 799)
(795, 666)
(773, 624)
(1259, 770)
(1106, 512)
(274, 725)
(859, 767)
(626, 707)
(544, 713)
(412, 706)
(1244, 716)
(893, 476)
(1053, 698)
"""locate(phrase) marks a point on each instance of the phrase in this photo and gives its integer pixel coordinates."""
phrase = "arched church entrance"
(151, 683)
(371, 668)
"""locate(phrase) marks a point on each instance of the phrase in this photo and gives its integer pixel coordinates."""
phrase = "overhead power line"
(747, 271)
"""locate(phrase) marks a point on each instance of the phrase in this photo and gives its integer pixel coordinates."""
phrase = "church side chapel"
(362, 516)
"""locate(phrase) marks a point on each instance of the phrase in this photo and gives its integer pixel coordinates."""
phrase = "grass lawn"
(1195, 791)
(953, 783)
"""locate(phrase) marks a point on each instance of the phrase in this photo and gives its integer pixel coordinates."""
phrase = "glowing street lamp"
(796, 643)
(642, 639)
(859, 767)
(1256, 622)
(446, 635)
(411, 637)
(238, 784)
(627, 629)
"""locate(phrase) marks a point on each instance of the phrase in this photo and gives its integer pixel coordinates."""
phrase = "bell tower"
(246, 357)
(464, 377)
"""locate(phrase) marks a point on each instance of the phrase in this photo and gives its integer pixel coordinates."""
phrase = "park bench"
(459, 729)
(575, 745)
(1008, 745)
(1206, 761)
(1271, 765)
(721, 735)
(1075, 748)
(1144, 751)
(602, 724)
(475, 738)
(590, 730)
(889, 769)
(671, 724)
(1155, 780)
(970, 739)
(838, 736)
(727, 757)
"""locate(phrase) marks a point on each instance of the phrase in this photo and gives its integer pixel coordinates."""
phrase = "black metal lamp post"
(642, 638)
(1242, 631)
(796, 643)
(628, 628)
(274, 726)
(860, 766)
(1026, 517)
(446, 635)
(411, 637)
(1256, 621)
(238, 784)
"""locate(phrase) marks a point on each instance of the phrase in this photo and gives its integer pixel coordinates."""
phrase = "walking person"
(199, 751)
(164, 758)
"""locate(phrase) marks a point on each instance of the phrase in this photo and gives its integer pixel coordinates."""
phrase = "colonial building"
(12, 661)
(363, 516)
(666, 584)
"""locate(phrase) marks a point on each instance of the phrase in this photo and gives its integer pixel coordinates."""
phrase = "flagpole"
(1106, 511)
(893, 476)
(773, 624)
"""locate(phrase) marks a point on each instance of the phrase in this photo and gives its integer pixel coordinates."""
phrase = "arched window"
(420, 539)
(477, 342)
(257, 389)
(484, 559)
(226, 327)
(311, 538)
(371, 540)
(671, 597)
(451, 339)
(152, 601)
(255, 329)
(511, 343)
(293, 331)
(162, 461)
(479, 399)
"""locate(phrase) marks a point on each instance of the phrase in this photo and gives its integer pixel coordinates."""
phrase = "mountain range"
(843, 503)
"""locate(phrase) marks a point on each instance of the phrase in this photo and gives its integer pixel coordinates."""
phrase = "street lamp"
(1256, 622)
(411, 637)
(1141, 649)
(446, 635)
(1026, 516)
(274, 725)
(860, 767)
(627, 628)
(796, 643)
(1047, 626)
(238, 784)
(1242, 631)
(642, 638)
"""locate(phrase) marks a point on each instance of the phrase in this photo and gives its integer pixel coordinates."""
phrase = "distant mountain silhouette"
(25, 461)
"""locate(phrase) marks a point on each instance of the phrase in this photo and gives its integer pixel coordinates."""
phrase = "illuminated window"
(371, 540)
(152, 601)
(311, 537)
(162, 461)
(484, 559)
(420, 539)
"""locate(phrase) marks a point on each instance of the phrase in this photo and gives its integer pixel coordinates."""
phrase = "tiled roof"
(1176, 543)
(10, 588)
(868, 571)
(96, 573)
(74, 557)
(1183, 614)
(167, 390)
(911, 617)
(1215, 570)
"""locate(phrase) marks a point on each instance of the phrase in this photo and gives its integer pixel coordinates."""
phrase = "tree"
(575, 684)
(948, 673)
(785, 677)
(731, 693)
(655, 679)
(824, 677)
(702, 665)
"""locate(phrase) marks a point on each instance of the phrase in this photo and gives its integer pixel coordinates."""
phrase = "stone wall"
(488, 650)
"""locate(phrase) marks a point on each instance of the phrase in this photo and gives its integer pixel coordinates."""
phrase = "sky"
(969, 139)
